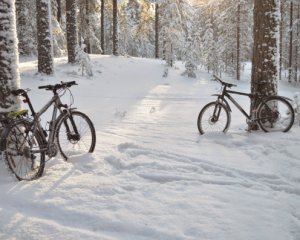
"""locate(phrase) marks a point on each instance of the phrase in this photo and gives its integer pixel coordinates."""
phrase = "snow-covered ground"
(152, 176)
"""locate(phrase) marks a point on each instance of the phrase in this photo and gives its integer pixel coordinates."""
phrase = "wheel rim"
(209, 123)
(276, 116)
(72, 144)
(19, 154)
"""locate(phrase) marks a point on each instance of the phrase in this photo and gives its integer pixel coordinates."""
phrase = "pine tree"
(157, 30)
(143, 29)
(115, 27)
(9, 74)
(291, 43)
(45, 44)
(136, 28)
(297, 43)
(191, 58)
(209, 41)
(265, 64)
(59, 11)
(72, 42)
(26, 27)
(88, 27)
(102, 26)
(108, 28)
(171, 31)
(238, 42)
(281, 41)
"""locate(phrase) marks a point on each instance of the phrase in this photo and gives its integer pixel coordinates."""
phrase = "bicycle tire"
(66, 140)
(23, 153)
(275, 114)
(206, 122)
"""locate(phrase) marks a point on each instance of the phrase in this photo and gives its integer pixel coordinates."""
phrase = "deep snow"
(152, 176)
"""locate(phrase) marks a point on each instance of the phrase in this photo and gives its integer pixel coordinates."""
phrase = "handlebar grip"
(69, 84)
(44, 87)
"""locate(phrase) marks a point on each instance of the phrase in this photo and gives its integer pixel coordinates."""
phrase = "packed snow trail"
(152, 175)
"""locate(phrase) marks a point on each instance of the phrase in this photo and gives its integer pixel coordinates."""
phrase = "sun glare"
(203, 2)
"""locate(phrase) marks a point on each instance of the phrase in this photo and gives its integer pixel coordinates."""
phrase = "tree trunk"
(156, 30)
(45, 48)
(71, 23)
(59, 11)
(21, 24)
(297, 43)
(115, 27)
(281, 41)
(291, 44)
(9, 73)
(87, 17)
(238, 41)
(265, 68)
(102, 27)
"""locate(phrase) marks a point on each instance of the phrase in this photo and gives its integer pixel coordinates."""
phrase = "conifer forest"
(217, 35)
(150, 119)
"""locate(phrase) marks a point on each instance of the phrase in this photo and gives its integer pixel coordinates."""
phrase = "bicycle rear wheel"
(23, 153)
(75, 134)
(275, 115)
(214, 117)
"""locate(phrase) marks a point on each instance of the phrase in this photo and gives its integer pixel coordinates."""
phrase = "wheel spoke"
(72, 144)
(213, 118)
(276, 114)
(20, 142)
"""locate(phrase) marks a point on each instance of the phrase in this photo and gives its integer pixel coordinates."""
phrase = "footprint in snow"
(120, 114)
(152, 110)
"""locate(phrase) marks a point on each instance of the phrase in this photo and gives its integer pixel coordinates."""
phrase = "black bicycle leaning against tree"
(24, 142)
(273, 113)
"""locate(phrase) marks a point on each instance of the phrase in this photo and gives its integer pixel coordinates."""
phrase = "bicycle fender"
(285, 98)
(224, 102)
(288, 99)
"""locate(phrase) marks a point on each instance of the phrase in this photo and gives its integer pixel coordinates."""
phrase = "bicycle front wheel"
(75, 134)
(214, 117)
(23, 153)
(275, 115)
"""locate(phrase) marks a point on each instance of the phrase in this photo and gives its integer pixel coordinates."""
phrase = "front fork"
(217, 110)
(216, 114)
(72, 135)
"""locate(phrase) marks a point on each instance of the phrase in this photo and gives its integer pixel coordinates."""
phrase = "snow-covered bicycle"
(25, 143)
(274, 113)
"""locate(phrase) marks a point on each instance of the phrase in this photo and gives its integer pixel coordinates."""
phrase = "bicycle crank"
(52, 150)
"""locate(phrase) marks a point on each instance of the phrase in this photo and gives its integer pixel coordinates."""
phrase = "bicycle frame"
(54, 121)
(36, 123)
(269, 112)
(226, 93)
(25, 142)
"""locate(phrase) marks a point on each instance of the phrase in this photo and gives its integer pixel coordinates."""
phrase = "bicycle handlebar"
(23, 92)
(58, 86)
(224, 83)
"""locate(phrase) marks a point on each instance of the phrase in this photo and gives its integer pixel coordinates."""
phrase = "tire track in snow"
(89, 224)
(140, 123)
(162, 162)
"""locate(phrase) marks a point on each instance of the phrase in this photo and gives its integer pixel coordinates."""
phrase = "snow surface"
(152, 176)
